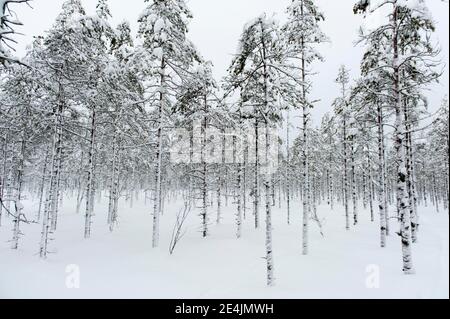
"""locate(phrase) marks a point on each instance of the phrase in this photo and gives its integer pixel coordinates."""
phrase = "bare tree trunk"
(51, 200)
(240, 188)
(354, 190)
(114, 186)
(305, 150)
(402, 196)
(204, 186)
(18, 194)
(9, 175)
(387, 193)
(369, 186)
(269, 249)
(346, 181)
(4, 173)
(42, 186)
(288, 173)
(158, 172)
(256, 176)
(410, 178)
(221, 182)
(306, 185)
(90, 177)
(381, 181)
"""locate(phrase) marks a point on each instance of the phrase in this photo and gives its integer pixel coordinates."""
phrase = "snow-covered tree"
(163, 28)
(8, 25)
(303, 33)
(264, 74)
(402, 46)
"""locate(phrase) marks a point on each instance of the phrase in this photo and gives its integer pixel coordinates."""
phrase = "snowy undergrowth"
(123, 264)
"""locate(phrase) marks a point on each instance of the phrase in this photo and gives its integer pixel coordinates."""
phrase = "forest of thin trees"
(91, 110)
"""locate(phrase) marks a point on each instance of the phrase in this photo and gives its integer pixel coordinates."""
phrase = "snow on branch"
(8, 23)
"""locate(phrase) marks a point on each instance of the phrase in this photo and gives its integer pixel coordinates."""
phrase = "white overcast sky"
(217, 25)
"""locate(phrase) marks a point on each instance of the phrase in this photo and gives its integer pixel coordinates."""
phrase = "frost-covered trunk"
(410, 178)
(60, 192)
(435, 195)
(267, 171)
(327, 185)
(80, 181)
(330, 178)
(244, 179)
(331, 183)
(90, 176)
(114, 191)
(159, 155)
(365, 189)
(305, 186)
(6, 174)
(255, 190)
(219, 195)
(55, 185)
(240, 188)
(381, 181)
(3, 176)
(346, 186)
(272, 190)
(51, 198)
(387, 192)
(267, 185)
(446, 187)
(287, 172)
(9, 175)
(111, 181)
(18, 194)
(204, 174)
(370, 185)
(306, 192)
(221, 180)
(354, 186)
(239, 215)
(399, 144)
(42, 185)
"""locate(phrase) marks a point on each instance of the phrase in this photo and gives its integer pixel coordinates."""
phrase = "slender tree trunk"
(158, 171)
(204, 188)
(114, 186)
(268, 175)
(51, 198)
(354, 190)
(346, 181)
(256, 177)
(369, 186)
(305, 150)
(288, 165)
(402, 196)
(269, 249)
(381, 181)
(18, 195)
(4, 173)
(42, 186)
(239, 217)
(9, 175)
(90, 177)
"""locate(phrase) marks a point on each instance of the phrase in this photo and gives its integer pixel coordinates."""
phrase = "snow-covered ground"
(343, 264)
